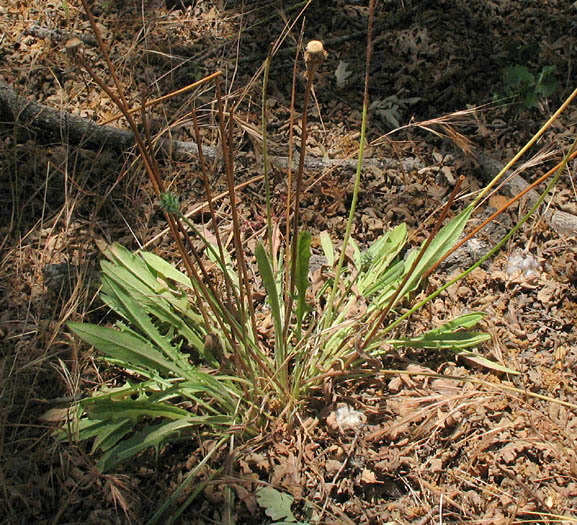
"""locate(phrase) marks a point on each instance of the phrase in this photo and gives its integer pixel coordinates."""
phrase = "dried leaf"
(342, 74)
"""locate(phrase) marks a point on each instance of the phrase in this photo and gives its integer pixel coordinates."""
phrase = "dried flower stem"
(289, 181)
(314, 56)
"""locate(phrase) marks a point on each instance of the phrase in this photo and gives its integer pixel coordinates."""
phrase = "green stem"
(266, 160)
(330, 302)
(186, 482)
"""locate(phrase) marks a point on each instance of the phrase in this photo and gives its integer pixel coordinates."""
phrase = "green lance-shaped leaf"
(449, 341)
(140, 280)
(462, 321)
(138, 273)
(376, 272)
(136, 314)
(376, 260)
(150, 436)
(381, 289)
(446, 336)
(267, 275)
(109, 409)
(164, 268)
(107, 433)
(445, 239)
(175, 312)
(155, 436)
(112, 432)
(128, 348)
(328, 248)
(302, 276)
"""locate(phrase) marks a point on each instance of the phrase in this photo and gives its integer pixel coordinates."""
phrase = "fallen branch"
(58, 35)
(50, 125)
(45, 124)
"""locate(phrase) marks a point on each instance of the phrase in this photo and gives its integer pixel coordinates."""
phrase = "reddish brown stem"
(290, 173)
(245, 288)
(231, 294)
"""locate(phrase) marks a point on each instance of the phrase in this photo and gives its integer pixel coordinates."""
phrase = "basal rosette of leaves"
(230, 347)
(186, 372)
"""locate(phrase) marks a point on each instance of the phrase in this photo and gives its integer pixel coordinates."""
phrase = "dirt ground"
(494, 448)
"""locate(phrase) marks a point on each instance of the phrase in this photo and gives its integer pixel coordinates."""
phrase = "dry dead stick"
(164, 97)
(562, 222)
(58, 35)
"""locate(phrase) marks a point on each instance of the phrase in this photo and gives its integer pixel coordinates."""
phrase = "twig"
(149, 103)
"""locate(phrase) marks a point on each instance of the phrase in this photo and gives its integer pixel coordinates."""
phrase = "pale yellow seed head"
(315, 53)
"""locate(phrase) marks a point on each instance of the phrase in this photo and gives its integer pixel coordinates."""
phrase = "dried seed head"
(315, 53)
(73, 45)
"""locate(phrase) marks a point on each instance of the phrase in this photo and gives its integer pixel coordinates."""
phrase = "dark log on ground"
(48, 125)
(59, 35)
